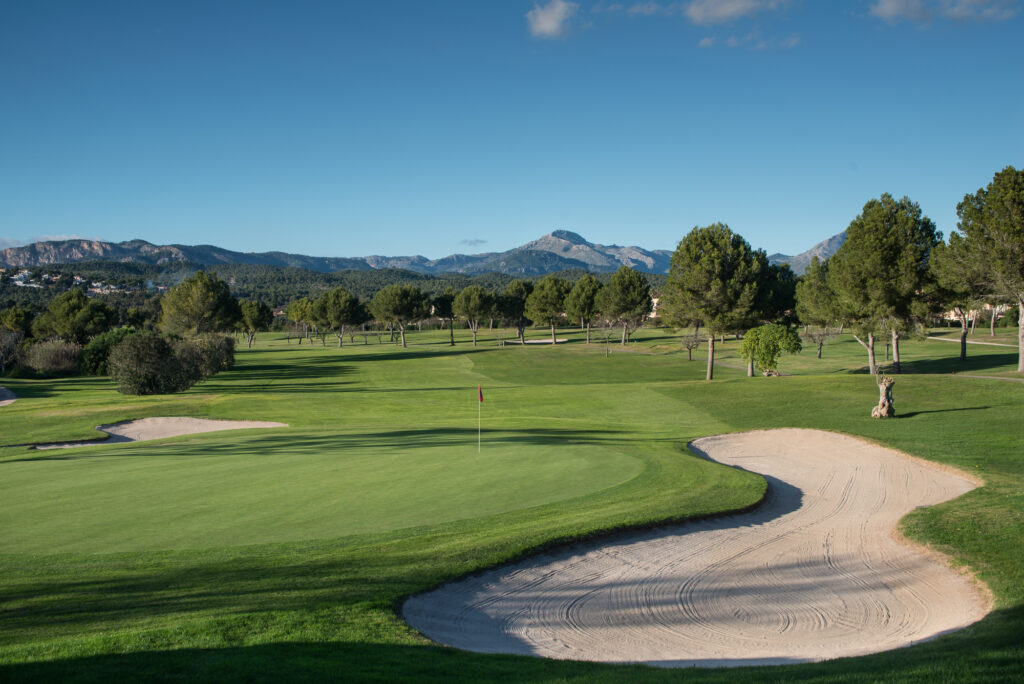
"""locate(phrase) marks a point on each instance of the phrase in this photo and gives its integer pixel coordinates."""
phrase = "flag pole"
(479, 410)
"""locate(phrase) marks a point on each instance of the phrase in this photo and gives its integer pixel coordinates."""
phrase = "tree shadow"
(911, 414)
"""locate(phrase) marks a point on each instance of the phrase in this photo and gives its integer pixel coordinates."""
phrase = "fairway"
(261, 554)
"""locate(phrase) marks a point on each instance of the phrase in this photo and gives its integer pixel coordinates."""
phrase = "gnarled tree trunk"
(896, 368)
(885, 402)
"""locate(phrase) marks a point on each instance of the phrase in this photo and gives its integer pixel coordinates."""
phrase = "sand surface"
(6, 396)
(813, 573)
(159, 428)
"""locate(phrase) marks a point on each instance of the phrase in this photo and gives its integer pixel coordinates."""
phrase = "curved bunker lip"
(813, 573)
(146, 429)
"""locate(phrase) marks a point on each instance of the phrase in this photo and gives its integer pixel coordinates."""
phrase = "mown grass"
(284, 554)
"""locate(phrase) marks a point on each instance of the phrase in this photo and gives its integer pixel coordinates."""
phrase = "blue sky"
(347, 129)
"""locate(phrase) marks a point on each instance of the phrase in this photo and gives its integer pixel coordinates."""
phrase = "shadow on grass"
(983, 653)
(343, 443)
(911, 414)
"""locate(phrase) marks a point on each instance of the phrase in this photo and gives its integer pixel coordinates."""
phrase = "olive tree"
(341, 310)
(764, 345)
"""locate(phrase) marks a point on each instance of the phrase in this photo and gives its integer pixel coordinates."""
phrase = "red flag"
(480, 393)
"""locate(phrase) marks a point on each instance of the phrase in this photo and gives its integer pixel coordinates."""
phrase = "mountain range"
(556, 251)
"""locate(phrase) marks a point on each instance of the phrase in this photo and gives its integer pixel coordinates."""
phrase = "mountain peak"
(569, 236)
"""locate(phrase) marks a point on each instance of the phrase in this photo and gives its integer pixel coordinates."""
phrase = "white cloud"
(550, 20)
(473, 242)
(721, 11)
(894, 10)
(706, 42)
(9, 242)
(790, 42)
(983, 10)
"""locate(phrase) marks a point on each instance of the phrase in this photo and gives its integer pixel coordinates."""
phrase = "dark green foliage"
(546, 303)
(93, 359)
(400, 305)
(815, 301)
(715, 280)
(215, 353)
(74, 317)
(765, 344)
(10, 344)
(626, 299)
(340, 310)
(778, 293)
(473, 303)
(881, 268)
(145, 363)
(512, 305)
(52, 357)
(581, 304)
(199, 304)
(255, 316)
(17, 319)
(992, 223)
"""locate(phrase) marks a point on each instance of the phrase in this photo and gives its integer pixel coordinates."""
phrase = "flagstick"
(478, 412)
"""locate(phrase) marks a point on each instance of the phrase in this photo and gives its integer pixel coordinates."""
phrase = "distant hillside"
(556, 251)
(822, 250)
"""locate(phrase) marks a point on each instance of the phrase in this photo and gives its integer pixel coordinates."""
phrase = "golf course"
(287, 551)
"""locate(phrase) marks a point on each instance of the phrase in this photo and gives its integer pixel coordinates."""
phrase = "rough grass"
(283, 554)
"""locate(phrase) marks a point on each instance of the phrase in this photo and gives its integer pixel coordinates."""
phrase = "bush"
(216, 353)
(144, 363)
(93, 360)
(10, 344)
(1009, 318)
(52, 357)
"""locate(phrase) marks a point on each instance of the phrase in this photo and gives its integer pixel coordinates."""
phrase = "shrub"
(144, 363)
(53, 357)
(10, 343)
(216, 353)
(93, 360)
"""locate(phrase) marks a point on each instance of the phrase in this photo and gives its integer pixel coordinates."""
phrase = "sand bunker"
(7, 396)
(813, 573)
(146, 429)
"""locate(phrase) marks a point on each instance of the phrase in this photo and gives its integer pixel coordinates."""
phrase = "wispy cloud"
(922, 12)
(9, 242)
(895, 10)
(722, 11)
(981, 10)
(706, 42)
(551, 20)
(473, 242)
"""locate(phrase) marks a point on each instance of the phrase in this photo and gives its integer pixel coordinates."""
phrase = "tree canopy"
(255, 316)
(546, 303)
(879, 271)
(764, 345)
(581, 304)
(473, 303)
(626, 299)
(400, 305)
(714, 280)
(992, 223)
(199, 304)
(74, 317)
(341, 310)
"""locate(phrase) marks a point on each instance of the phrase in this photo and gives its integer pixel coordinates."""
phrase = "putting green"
(286, 486)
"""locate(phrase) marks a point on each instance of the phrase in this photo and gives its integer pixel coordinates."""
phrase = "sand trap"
(146, 429)
(7, 396)
(813, 573)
